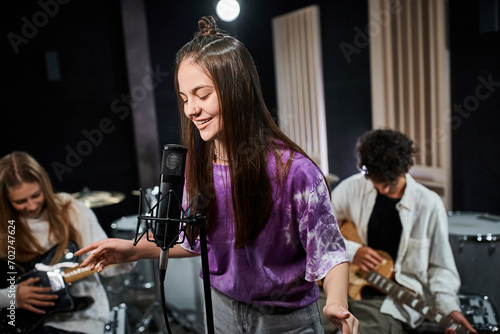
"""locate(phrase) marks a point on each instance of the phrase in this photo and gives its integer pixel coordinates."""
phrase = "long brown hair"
(19, 167)
(249, 132)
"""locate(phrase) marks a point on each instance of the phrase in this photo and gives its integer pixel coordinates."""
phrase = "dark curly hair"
(384, 155)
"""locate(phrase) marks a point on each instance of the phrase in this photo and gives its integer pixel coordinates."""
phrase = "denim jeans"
(232, 316)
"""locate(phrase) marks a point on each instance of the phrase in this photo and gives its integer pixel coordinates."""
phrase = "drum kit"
(134, 296)
(473, 239)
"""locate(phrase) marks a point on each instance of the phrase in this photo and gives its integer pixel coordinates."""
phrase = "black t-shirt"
(384, 226)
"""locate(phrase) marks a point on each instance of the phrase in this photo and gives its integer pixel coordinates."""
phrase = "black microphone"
(173, 166)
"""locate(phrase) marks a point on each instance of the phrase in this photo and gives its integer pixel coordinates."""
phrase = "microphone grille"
(173, 160)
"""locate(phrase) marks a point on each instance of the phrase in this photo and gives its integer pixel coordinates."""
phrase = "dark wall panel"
(475, 116)
(65, 114)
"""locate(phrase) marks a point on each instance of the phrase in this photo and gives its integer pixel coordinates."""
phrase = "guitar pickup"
(56, 280)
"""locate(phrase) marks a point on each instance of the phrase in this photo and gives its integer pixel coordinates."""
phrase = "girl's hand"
(108, 251)
(30, 297)
(345, 321)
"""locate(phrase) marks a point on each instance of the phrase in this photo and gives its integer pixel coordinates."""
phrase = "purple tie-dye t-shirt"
(299, 245)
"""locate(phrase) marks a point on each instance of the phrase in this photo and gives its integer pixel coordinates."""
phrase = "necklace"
(218, 156)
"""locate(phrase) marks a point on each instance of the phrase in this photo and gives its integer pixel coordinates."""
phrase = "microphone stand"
(198, 221)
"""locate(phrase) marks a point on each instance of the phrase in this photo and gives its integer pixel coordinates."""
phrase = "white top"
(425, 262)
(93, 319)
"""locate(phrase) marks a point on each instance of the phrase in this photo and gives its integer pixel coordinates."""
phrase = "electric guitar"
(381, 278)
(59, 281)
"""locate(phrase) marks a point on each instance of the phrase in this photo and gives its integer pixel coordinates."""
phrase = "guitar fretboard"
(405, 296)
(73, 274)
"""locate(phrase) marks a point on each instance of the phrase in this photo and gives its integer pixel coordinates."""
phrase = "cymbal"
(97, 199)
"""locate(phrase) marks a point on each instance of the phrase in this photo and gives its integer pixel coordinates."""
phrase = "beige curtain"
(411, 82)
(299, 81)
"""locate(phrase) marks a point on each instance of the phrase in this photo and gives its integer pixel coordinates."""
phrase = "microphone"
(164, 218)
(173, 166)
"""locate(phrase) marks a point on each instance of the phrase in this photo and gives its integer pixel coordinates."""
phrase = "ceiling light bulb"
(228, 10)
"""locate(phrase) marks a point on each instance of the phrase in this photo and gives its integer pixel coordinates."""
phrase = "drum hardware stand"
(148, 316)
(199, 222)
(117, 321)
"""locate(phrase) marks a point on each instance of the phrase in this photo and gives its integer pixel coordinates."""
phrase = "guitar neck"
(71, 275)
(405, 296)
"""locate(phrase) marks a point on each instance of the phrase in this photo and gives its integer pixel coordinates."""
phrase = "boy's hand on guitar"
(30, 297)
(367, 258)
(461, 320)
(107, 252)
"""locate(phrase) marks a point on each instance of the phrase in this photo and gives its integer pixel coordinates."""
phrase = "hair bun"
(207, 26)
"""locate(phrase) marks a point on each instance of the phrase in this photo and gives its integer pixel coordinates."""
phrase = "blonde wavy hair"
(16, 168)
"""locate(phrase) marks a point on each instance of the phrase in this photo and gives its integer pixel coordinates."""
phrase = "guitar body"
(27, 321)
(357, 280)
(65, 302)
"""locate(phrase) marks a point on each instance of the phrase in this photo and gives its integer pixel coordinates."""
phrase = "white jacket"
(425, 262)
